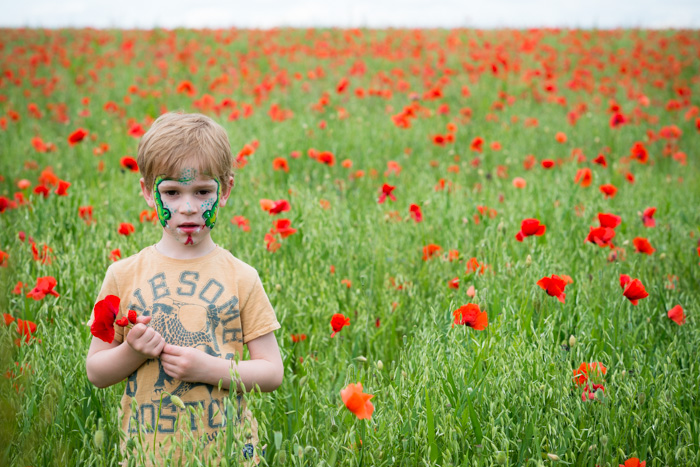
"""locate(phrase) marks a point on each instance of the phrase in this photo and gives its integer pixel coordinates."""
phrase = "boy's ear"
(147, 194)
(226, 191)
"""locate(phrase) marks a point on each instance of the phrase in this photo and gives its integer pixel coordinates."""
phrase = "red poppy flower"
(560, 137)
(600, 160)
(62, 188)
(126, 228)
(639, 153)
(283, 227)
(241, 222)
(582, 373)
(554, 286)
(642, 245)
(386, 191)
(633, 462)
(298, 337)
(476, 144)
(280, 163)
(44, 287)
(608, 190)
(123, 321)
(115, 254)
(136, 130)
(547, 163)
(279, 206)
(601, 236)
(633, 289)
(416, 213)
(271, 242)
(129, 163)
(357, 401)
(338, 322)
(470, 315)
(132, 315)
(85, 213)
(530, 227)
(430, 250)
(609, 221)
(676, 314)
(453, 283)
(648, 217)
(105, 312)
(584, 177)
(326, 157)
(77, 136)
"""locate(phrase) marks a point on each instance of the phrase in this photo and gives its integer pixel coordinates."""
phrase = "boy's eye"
(170, 192)
(204, 192)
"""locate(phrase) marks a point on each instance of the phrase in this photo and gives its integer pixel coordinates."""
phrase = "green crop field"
(419, 167)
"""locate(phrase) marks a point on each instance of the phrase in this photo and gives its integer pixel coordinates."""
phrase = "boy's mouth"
(189, 228)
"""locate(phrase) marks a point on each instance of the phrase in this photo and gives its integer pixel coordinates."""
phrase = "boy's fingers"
(143, 319)
(138, 330)
(171, 349)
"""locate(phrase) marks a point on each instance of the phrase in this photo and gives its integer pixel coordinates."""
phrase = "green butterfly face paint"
(163, 212)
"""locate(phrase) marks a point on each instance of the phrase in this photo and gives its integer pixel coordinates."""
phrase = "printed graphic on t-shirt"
(186, 313)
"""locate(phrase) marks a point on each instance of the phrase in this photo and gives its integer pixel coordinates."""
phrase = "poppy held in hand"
(530, 227)
(633, 289)
(357, 401)
(554, 286)
(338, 322)
(470, 315)
(103, 322)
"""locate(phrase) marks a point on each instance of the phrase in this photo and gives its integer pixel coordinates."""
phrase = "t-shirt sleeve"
(257, 315)
(109, 287)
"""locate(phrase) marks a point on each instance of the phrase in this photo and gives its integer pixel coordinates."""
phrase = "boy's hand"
(184, 363)
(144, 340)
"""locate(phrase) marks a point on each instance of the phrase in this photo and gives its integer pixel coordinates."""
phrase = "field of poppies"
(495, 234)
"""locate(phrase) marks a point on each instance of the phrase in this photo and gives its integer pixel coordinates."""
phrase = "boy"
(197, 304)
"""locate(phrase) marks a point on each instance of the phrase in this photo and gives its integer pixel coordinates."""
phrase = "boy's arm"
(264, 369)
(108, 364)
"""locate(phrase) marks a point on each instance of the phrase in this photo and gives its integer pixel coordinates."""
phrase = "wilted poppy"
(105, 312)
(642, 245)
(357, 401)
(470, 315)
(44, 286)
(338, 321)
(554, 286)
(530, 227)
(676, 314)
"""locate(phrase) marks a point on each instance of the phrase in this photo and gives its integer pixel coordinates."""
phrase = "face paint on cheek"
(210, 214)
(162, 211)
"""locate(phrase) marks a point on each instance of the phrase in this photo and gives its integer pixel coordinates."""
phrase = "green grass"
(443, 395)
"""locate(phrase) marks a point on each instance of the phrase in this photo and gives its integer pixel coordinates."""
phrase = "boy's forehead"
(186, 175)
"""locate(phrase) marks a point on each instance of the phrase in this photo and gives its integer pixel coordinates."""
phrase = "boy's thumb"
(143, 319)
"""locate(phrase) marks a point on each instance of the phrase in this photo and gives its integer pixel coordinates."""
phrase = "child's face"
(187, 206)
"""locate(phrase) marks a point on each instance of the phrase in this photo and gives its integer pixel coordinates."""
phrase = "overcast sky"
(147, 14)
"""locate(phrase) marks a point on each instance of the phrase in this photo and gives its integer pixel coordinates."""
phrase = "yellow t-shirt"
(215, 303)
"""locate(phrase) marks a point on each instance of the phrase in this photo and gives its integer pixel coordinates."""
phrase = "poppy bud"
(501, 458)
(361, 359)
(528, 261)
(177, 402)
(604, 440)
(380, 365)
(99, 438)
(278, 287)
(553, 457)
(572, 341)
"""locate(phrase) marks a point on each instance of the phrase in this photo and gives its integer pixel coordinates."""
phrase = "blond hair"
(176, 139)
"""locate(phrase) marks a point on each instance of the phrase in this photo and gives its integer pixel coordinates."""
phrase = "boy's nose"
(188, 207)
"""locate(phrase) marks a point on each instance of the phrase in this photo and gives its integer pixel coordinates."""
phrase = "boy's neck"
(173, 249)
